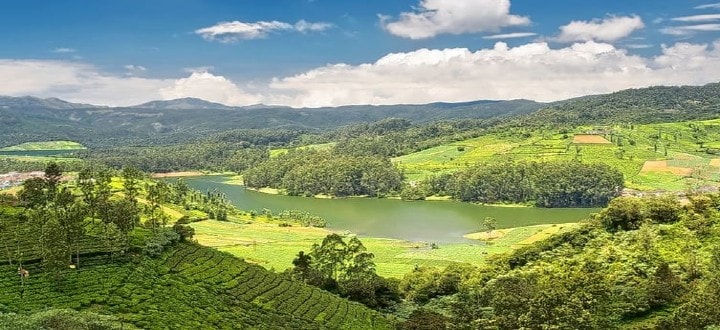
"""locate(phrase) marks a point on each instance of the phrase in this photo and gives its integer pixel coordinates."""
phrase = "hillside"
(188, 119)
(100, 245)
(665, 156)
(640, 264)
(188, 287)
(645, 105)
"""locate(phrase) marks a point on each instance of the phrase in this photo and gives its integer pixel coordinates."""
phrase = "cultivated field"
(671, 156)
(590, 139)
(274, 247)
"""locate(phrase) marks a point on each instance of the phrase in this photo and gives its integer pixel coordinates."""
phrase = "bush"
(157, 243)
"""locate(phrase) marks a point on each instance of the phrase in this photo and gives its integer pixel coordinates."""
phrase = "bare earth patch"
(715, 162)
(590, 139)
(177, 174)
(662, 166)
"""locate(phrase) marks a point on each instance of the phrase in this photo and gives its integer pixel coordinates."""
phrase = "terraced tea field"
(189, 287)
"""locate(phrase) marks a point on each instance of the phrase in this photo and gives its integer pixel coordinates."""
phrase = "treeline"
(215, 156)
(545, 184)
(311, 172)
(394, 137)
(616, 271)
(646, 105)
(13, 165)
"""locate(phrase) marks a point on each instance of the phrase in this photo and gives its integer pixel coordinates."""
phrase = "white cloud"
(690, 29)
(609, 29)
(709, 6)
(228, 32)
(304, 26)
(74, 82)
(510, 35)
(133, 70)
(698, 18)
(433, 17)
(532, 71)
(63, 50)
(206, 86)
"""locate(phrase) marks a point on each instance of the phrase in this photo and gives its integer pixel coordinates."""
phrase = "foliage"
(547, 184)
(187, 287)
(311, 172)
(61, 319)
(663, 274)
(345, 268)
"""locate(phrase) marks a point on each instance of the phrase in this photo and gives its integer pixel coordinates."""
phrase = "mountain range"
(25, 119)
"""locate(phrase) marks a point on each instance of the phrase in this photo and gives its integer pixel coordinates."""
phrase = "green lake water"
(429, 221)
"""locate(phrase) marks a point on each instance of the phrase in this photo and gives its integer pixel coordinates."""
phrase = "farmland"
(188, 287)
(666, 156)
(274, 247)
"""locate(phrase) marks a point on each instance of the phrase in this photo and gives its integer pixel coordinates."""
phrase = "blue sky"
(333, 52)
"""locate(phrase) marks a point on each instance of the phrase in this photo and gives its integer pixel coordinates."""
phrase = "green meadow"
(689, 148)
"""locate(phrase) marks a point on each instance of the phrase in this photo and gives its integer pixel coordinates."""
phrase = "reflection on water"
(431, 221)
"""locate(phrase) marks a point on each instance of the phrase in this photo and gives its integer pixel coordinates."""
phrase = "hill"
(30, 119)
(645, 105)
(188, 287)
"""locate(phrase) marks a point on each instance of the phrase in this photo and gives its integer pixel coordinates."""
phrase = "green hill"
(188, 287)
(665, 156)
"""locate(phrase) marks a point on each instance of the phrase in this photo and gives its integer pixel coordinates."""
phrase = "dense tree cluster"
(310, 172)
(661, 272)
(546, 184)
(182, 157)
(346, 268)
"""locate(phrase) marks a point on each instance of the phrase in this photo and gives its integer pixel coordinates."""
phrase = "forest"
(310, 172)
(544, 184)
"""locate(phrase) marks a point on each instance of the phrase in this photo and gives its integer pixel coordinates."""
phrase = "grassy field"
(670, 156)
(274, 247)
(320, 147)
(50, 145)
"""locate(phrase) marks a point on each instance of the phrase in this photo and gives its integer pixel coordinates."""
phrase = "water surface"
(429, 221)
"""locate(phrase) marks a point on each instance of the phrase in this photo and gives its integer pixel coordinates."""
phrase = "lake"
(428, 221)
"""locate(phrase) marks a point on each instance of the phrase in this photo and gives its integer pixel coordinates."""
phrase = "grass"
(629, 148)
(318, 147)
(49, 145)
(274, 247)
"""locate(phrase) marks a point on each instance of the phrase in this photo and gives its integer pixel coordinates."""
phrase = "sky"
(313, 53)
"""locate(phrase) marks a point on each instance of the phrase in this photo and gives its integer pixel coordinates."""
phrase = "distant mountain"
(187, 103)
(164, 122)
(7, 102)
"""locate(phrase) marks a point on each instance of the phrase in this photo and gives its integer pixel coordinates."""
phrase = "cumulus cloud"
(609, 29)
(84, 83)
(510, 35)
(74, 82)
(433, 17)
(687, 30)
(709, 6)
(207, 86)
(698, 18)
(228, 32)
(531, 71)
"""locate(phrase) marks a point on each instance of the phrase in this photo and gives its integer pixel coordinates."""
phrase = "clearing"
(590, 139)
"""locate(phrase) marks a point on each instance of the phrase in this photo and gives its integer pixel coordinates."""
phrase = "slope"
(188, 287)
